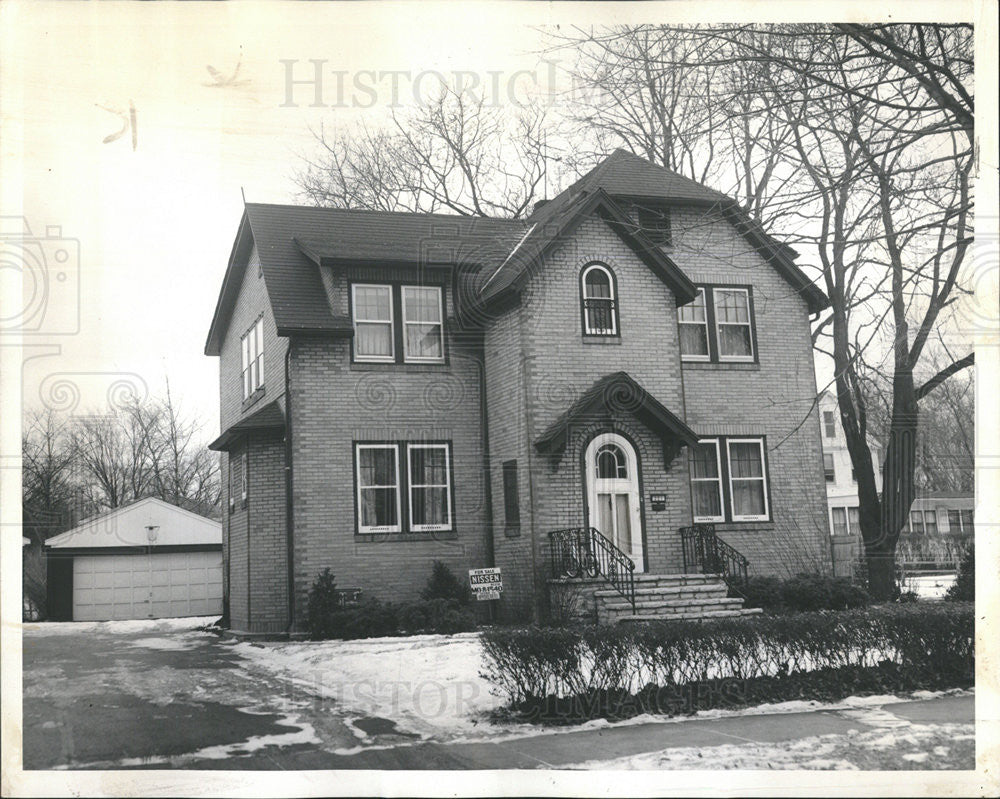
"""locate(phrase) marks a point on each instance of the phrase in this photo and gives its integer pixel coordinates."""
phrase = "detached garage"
(148, 560)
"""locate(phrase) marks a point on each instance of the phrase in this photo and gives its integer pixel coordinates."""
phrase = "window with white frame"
(600, 307)
(732, 324)
(839, 517)
(692, 319)
(729, 480)
(718, 325)
(917, 522)
(252, 346)
(961, 521)
(423, 323)
(706, 482)
(374, 338)
(930, 522)
(429, 471)
(377, 477)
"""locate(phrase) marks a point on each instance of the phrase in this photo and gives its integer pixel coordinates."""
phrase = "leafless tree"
(453, 154)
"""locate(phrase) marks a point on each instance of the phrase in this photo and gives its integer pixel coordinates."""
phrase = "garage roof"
(128, 527)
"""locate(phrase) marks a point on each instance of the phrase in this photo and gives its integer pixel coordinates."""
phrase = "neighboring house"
(147, 560)
(397, 388)
(939, 524)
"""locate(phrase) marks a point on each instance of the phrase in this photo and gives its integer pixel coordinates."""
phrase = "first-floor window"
(430, 487)
(839, 516)
(854, 520)
(706, 482)
(917, 521)
(244, 477)
(747, 483)
(729, 480)
(377, 468)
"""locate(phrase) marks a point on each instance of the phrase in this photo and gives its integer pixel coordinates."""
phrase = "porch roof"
(269, 417)
(616, 393)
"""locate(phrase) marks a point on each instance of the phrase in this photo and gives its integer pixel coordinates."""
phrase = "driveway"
(165, 695)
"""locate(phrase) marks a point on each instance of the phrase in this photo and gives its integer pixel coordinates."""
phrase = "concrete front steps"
(670, 596)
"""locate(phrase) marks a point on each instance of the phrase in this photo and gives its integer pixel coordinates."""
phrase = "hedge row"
(554, 676)
(803, 592)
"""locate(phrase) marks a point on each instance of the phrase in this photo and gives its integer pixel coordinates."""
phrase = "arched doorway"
(612, 482)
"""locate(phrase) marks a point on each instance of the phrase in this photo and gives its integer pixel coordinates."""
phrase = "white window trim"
(391, 321)
(440, 323)
(707, 357)
(847, 520)
(717, 480)
(424, 528)
(748, 325)
(612, 299)
(252, 358)
(828, 427)
(833, 468)
(763, 470)
(382, 528)
(244, 476)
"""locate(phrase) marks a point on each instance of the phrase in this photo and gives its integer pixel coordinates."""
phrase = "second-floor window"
(252, 346)
(828, 469)
(599, 303)
(394, 324)
(718, 325)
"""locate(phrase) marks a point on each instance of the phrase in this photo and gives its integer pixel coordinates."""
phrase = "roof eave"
(228, 292)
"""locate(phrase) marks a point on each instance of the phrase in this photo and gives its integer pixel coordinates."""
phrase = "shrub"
(327, 618)
(804, 592)
(443, 584)
(323, 606)
(964, 589)
(568, 675)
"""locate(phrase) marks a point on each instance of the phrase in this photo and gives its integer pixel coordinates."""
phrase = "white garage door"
(147, 586)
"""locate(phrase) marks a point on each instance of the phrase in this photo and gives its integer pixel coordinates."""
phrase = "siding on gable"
(251, 302)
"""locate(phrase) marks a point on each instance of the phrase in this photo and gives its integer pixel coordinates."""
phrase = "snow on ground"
(430, 685)
(925, 746)
(932, 586)
(123, 627)
(427, 684)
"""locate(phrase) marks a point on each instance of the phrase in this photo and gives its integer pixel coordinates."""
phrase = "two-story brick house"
(396, 388)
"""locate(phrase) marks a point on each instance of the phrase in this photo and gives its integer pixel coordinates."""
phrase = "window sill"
(601, 339)
(378, 366)
(376, 538)
(714, 366)
(512, 531)
(253, 399)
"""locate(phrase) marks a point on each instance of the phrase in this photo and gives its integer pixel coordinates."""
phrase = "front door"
(613, 493)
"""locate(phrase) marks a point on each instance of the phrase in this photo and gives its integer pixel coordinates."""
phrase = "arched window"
(599, 306)
(611, 463)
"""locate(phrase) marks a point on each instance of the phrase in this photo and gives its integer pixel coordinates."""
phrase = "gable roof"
(127, 526)
(559, 222)
(618, 392)
(268, 417)
(626, 175)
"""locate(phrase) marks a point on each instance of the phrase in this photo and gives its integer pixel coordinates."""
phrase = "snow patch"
(122, 627)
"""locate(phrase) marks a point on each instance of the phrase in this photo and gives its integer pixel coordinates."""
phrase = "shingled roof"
(492, 255)
(268, 417)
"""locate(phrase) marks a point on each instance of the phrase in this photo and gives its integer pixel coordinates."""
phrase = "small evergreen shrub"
(560, 676)
(802, 593)
(443, 584)
(964, 589)
(323, 606)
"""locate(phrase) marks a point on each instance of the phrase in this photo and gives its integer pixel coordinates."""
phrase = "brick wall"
(774, 398)
(335, 403)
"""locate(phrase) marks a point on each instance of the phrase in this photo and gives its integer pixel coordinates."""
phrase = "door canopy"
(611, 396)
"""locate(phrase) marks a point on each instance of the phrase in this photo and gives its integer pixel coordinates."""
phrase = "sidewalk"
(566, 749)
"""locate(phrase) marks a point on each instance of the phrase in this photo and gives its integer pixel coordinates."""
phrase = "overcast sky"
(147, 230)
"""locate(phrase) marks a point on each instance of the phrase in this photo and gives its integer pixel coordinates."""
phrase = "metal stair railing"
(584, 551)
(704, 552)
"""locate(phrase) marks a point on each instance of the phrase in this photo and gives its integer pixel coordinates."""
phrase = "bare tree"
(454, 154)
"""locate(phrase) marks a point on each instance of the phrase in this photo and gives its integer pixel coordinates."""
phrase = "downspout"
(488, 490)
(289, 514)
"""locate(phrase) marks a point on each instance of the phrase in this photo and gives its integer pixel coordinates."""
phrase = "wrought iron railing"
(600, 314)
(584, 552)
(703, 551)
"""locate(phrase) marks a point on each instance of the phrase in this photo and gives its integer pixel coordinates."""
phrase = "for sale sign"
(486, 583)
